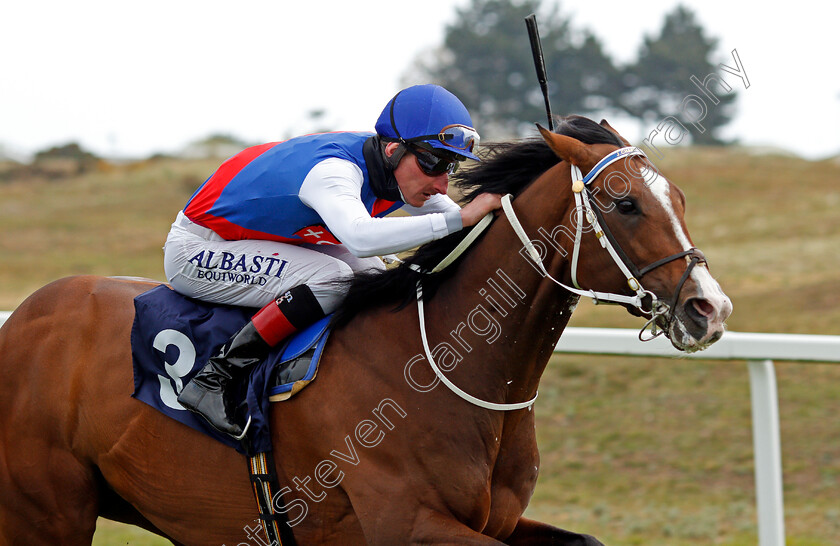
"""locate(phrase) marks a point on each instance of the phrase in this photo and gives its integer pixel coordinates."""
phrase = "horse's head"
(643, 246)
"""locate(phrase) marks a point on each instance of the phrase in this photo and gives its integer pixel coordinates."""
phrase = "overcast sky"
(134, 78)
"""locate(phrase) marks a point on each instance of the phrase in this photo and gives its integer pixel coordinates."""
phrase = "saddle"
(172, 338)
(298, 362)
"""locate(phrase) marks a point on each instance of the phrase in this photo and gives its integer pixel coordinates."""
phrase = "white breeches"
(200, 264)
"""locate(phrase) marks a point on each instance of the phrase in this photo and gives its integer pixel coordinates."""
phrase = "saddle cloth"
(173, 337)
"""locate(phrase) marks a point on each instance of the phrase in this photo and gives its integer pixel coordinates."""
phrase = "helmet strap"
(394, 159)
(379, 169)
(391, 162)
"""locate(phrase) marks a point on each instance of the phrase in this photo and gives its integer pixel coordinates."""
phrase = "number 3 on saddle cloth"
(173, 337)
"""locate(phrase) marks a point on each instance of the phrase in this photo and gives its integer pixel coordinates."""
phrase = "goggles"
(459, 137)
(456, 135)
(431, 164)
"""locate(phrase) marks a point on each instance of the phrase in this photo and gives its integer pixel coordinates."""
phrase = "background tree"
(486, 61)
(66, 160)
(216, 145)
(657, 83)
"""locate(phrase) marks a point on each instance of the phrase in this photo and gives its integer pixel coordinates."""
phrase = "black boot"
(205, 393)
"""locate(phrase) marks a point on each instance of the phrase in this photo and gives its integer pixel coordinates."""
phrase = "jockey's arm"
(333, 189)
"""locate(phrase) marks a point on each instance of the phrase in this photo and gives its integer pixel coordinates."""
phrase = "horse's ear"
(609, 127)
(569, 149)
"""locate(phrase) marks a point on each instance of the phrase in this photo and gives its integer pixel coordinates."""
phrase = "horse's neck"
(516, 314)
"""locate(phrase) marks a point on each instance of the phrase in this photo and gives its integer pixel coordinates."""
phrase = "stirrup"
(244, 431)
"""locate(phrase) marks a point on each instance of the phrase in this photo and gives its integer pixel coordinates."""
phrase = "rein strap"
(535, 256)
(445, 380)
(465, 243)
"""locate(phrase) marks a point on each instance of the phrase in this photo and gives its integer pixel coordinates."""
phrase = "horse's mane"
(506, 167)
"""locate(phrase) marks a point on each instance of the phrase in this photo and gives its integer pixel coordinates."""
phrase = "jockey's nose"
(441, 183)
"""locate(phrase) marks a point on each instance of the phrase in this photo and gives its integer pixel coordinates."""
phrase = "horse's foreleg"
(529, 532)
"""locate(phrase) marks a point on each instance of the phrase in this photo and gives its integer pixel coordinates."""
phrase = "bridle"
(644, 300)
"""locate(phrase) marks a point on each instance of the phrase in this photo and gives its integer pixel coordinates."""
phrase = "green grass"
(110, 223)
(109, 533)
(634, 450)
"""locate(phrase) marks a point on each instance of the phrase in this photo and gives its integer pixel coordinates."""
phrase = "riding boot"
(208, 393)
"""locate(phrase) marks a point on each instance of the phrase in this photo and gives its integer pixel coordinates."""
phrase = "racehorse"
(377, 450)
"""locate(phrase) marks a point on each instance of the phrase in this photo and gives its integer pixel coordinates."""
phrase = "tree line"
(485, 59)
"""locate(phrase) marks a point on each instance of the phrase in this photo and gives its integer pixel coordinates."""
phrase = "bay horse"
(376, 451)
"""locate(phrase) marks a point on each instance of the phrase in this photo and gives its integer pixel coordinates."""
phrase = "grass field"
(634, 450)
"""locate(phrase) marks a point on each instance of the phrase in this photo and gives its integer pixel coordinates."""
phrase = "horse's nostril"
(701, 308)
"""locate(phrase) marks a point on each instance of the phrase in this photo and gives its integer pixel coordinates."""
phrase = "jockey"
(283, 226)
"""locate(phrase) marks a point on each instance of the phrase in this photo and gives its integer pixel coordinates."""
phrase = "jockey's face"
(415, 185)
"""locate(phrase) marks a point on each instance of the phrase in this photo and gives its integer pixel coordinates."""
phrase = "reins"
(445, 380)
(593, 215)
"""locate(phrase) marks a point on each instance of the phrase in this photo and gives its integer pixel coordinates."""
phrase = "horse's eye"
(627, 206)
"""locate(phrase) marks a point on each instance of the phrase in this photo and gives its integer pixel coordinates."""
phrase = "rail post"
(767, 453)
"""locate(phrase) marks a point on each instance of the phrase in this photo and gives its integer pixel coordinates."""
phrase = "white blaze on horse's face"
(710, 302)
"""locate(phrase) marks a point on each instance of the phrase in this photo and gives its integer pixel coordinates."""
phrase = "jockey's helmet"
(431, 115)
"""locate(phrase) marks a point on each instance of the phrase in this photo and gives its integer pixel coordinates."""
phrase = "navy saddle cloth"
(173, 337)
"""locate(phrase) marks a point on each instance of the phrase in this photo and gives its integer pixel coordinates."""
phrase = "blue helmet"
(432, 115)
